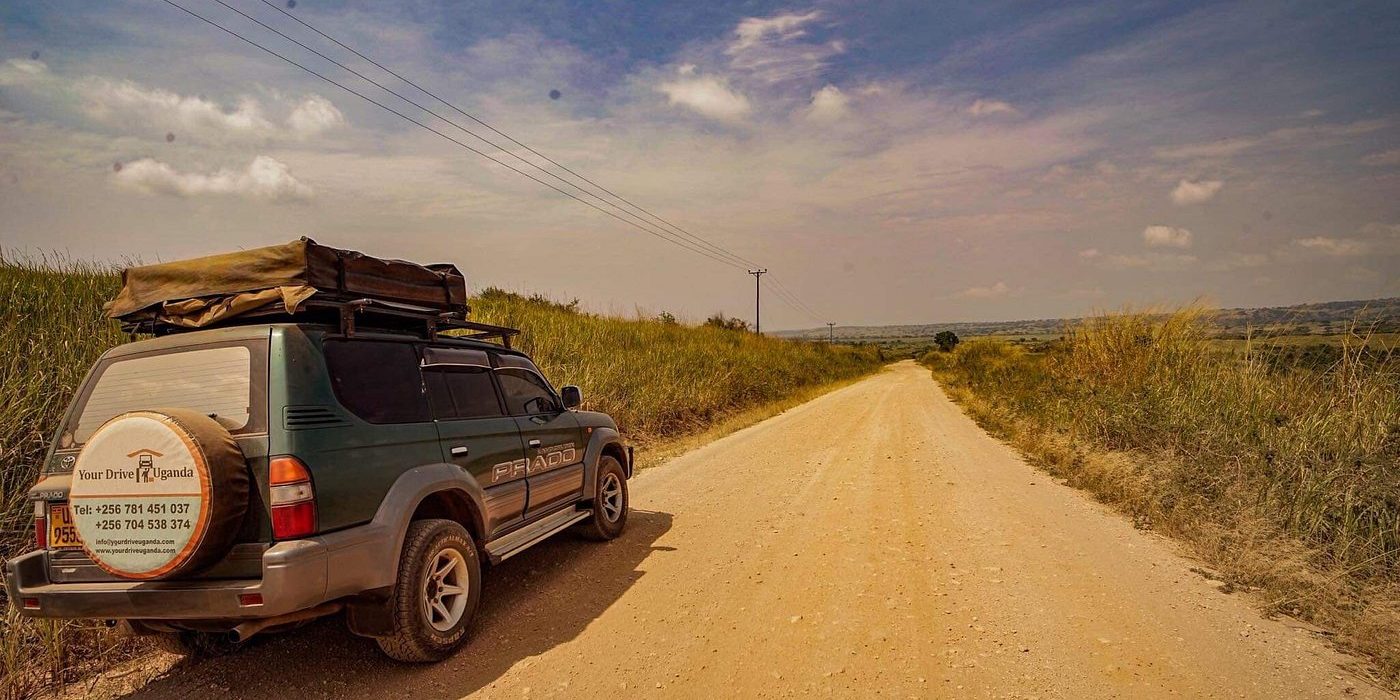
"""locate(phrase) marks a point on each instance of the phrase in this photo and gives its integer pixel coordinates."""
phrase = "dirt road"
(873, 541)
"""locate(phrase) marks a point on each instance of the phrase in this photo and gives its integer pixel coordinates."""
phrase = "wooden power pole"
(830, 333)
(757, 327)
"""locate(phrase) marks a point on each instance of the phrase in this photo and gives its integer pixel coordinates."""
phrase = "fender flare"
(409, 490)
(601, 438)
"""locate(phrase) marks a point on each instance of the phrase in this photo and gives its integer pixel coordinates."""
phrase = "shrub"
(946, 340)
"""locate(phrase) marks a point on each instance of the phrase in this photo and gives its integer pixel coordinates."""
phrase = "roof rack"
(434, 321)
(377, 314)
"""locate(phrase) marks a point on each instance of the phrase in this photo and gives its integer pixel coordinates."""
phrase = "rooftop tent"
(206, 291)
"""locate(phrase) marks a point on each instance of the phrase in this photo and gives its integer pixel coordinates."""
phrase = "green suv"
(210, 484)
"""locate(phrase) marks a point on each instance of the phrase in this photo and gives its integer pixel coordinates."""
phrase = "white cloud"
(829, 104)
(708, 96)
(1166, 237)
(1339, 247)
(995, 291)
(22, 71)
(265, 178)
(754, 30)
(1188, 192)
(136, 105)
(314, 115)
(772, 49)
(1391, 157)
(1294, 137)
(1222, 148)
(985, 107)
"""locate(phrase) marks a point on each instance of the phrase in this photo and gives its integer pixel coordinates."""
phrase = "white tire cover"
(158, 493)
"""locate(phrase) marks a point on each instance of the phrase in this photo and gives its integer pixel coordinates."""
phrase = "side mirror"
(572, 395)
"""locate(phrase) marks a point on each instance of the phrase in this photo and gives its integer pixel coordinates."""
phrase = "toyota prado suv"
(209, 484)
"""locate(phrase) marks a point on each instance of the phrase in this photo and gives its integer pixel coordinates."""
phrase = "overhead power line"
(420, 124)
(473, 134)
(784, 291)
(653, 224)
(695, 237)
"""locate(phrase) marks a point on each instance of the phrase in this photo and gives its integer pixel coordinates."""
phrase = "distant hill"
(1321, 318)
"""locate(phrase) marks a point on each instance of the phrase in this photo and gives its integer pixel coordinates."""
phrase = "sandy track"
(873, 541)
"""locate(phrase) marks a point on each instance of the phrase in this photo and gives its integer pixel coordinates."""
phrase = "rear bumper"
(296, 575)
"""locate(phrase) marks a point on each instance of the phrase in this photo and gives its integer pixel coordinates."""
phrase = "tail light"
(41, 525)
(293, 499)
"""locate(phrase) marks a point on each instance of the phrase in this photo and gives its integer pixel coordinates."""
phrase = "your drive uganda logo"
(144, 471)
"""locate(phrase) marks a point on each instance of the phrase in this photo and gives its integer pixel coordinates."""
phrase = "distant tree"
(728, 323)
(946, 340)
(667, 318)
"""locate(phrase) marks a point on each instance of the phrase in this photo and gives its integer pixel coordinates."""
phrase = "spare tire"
(160, 493)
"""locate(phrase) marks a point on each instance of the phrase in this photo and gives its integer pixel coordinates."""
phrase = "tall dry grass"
(1286, 478)
(50, 333)
(658, 380)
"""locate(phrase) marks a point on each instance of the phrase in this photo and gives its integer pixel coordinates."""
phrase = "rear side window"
(223, 382)
(377, 381)
(526, 392)
(462, 392)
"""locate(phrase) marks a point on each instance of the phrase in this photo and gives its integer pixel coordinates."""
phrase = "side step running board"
(524, 538)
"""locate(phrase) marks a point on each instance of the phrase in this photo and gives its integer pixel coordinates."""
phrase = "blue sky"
(889, 162)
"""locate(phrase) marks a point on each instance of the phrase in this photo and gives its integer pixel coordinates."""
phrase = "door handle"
(460, 451)
(534, 443)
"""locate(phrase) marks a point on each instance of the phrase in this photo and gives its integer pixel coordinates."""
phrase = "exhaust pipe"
(244, 631)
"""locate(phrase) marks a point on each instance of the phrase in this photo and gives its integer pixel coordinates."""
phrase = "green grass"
(660, 382)
(1281, 468)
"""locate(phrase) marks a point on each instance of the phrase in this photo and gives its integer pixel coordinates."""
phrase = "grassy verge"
(1285, 478)
(662, 382)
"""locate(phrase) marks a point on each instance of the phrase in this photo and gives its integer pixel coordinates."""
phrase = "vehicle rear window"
(377, 381)
(219, 381)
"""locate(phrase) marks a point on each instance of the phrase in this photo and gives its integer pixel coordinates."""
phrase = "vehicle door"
(475, 432)
(553, 446)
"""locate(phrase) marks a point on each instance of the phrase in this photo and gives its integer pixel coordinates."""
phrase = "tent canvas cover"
(201, 292)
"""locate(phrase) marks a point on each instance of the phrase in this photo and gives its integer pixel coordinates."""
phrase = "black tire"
(609, 509)
(415, 638)
(196, 645)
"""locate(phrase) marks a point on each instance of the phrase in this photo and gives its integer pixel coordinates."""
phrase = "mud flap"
(370, 614)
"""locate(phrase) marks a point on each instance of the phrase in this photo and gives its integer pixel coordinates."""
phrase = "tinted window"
(526, 392)
(377, 381)
(462, 393)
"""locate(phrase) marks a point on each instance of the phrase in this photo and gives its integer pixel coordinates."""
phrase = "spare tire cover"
(158, 493)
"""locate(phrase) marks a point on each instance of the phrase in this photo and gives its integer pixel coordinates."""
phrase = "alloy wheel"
(445, 589)
(611, 497)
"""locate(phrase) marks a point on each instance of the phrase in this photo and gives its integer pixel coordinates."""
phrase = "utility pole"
(830, 333)
(757, 328)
